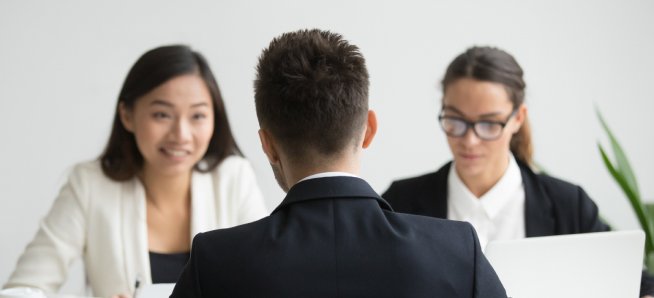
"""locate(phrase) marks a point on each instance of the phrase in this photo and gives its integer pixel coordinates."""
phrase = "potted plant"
(622, 173)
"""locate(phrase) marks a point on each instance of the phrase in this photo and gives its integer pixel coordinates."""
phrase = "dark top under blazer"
(335, 237)
(552, 206)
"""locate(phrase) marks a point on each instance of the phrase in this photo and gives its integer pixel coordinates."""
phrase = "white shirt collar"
(498, 214)
(498, 196)
(493, 200)
(327, 174)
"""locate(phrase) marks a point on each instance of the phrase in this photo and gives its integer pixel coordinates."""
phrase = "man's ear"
(268, 146)
(126, 117)
(371, 129)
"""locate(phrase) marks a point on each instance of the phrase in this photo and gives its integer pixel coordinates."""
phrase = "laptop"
(606, 264)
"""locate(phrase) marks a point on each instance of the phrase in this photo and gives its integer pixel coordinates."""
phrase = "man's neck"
(299, 171)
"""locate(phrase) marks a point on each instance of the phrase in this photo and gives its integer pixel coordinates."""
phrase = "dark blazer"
(552, 206)
(335, 237)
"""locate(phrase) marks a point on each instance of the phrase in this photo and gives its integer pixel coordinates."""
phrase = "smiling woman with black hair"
(170, 170)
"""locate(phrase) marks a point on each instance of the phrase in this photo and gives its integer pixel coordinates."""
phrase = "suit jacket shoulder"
(552, 206)
(422, 195)
(557, 207)
(335, 237)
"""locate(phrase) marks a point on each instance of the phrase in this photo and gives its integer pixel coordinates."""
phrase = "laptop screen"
(606, 264)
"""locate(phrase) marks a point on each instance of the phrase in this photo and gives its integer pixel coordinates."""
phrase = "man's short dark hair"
(311, 91)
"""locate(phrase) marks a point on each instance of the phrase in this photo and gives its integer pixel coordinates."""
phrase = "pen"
(137, 283)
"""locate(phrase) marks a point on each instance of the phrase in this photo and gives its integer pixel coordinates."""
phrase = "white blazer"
(104, 222)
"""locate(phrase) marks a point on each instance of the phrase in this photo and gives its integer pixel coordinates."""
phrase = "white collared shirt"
(499, 214)
(326, 174)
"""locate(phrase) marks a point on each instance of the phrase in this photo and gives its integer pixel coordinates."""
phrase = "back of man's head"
(311, 92)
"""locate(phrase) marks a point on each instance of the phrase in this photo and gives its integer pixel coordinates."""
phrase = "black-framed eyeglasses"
(486, 130)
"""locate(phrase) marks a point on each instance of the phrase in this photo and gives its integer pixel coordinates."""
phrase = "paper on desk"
(156, 291)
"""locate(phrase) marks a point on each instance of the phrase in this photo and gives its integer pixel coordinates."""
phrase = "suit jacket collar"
(539, 220)
(439, 182)
(331, 188)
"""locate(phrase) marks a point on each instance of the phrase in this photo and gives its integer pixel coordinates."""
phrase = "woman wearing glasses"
(490, 182)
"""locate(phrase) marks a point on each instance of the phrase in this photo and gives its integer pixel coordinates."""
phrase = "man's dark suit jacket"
(335, 237)
(552, 206)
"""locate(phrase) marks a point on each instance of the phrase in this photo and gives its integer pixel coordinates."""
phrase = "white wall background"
(62, 64)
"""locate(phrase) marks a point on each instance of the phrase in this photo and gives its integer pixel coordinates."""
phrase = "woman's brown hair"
(121, 159)
(495, 65)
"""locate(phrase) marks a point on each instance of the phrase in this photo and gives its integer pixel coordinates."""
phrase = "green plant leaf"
(634, 199)
(649, 262)
(623, 165)
(624, 176)
(649, 255)
(649, 211)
